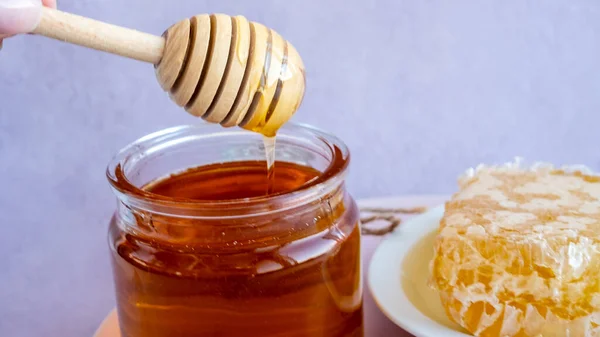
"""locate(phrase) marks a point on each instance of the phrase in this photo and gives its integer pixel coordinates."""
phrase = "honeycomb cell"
(517, 253)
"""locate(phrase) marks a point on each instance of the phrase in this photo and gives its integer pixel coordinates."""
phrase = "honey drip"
(269, 143)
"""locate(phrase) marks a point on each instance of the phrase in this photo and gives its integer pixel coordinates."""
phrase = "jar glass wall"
(206, 252)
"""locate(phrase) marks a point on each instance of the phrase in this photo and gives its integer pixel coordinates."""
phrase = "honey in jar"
(203, 243)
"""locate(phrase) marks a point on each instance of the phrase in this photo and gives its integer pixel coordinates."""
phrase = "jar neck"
(173, 150)
(240, 232)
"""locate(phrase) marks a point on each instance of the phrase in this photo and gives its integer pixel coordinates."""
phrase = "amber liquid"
(301, 278)
(269, 143)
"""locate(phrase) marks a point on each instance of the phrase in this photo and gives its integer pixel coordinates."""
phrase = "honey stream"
(269, 143)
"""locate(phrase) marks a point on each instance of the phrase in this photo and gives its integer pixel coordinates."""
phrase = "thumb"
(19, 16)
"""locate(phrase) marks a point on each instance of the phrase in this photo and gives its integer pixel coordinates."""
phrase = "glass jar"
(211, 254)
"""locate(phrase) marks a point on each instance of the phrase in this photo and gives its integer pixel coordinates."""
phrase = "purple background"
(419, 90)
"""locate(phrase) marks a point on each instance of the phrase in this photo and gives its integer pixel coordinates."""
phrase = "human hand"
(20, 16)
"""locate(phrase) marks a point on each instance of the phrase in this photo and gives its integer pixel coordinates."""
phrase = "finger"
(49, 3)
(19, 16)
(2, 37)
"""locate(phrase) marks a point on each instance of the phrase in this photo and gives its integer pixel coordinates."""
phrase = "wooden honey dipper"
(224, 69)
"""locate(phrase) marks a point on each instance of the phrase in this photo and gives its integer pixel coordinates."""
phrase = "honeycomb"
(517, 252)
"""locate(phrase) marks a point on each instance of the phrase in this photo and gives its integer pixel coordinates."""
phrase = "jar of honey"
(204, 242)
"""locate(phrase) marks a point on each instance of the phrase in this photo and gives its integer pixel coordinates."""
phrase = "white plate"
(398, 276)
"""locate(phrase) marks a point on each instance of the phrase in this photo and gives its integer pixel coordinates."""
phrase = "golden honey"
(518, 253)
(206, 251)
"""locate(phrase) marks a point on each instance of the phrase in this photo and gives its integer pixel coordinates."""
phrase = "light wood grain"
(246, 75)
(256, 63)
(199, 44)
(234, 73)
(101, 36)
(218, 54)
(269, 83)
(221, 68)
(263, 42)
(168, 70)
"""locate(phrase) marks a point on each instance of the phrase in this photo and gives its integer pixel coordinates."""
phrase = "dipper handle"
(101, 36)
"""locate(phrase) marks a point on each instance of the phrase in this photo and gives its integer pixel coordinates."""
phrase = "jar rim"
(329, 179)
